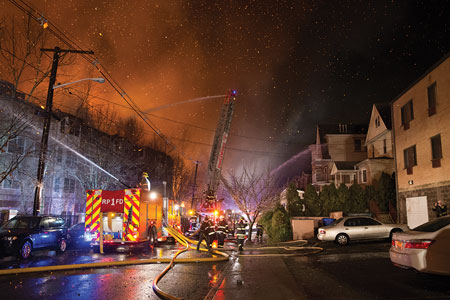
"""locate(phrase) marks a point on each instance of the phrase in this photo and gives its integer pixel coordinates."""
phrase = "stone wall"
(433, 195)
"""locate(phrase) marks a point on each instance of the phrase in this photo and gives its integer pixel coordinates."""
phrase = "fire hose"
(188, 243)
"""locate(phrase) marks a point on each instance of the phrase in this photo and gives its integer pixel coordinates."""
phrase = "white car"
(425, 248)
(357, 228)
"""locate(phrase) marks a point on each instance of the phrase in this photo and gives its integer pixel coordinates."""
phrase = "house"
(336, 143)
(421, 131)
(380, 157)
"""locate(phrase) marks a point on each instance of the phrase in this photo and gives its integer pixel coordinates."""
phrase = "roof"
(350, 128)
(345, 165)
(385, 112)
(444, 58)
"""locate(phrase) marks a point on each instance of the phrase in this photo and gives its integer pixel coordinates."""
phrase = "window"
(358, 144)
(57, 185)
(436, 151)
(432, 99)
(410, 159)
(17, 145)
(377, 122)
(384, 146)
(11, 183)
(352, 222)
(59, 154)
(71, 159)
(70, 127)
(368, 222)
(346, 178)
(69, 185)
(372, 148)
(56, 222)
(364, 175)
(407, 114)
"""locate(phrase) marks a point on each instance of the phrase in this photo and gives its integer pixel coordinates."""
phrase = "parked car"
(357, 228)
(23, 234)
(425, 248)
(77, 236)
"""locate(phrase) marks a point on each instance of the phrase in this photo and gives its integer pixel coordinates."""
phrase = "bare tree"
(27, 67)
(253, 192)
(14, 148)
(181, 179)
(131, 129)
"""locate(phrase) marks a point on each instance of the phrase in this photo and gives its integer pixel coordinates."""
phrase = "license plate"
(399, 244)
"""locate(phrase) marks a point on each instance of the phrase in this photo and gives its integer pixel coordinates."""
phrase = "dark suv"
(23, 234)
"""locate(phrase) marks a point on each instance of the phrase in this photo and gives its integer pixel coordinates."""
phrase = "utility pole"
(46, 130)
(195, 181)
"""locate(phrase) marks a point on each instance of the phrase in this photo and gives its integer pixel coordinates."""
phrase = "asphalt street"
(358, 271)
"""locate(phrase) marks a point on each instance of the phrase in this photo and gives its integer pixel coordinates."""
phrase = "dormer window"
(377, 122)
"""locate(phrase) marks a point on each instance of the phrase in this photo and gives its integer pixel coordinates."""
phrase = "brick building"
(421, 127)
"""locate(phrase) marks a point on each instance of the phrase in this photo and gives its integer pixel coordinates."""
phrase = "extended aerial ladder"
(218, 150)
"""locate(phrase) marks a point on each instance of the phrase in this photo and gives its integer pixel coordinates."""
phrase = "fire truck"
(129, 216)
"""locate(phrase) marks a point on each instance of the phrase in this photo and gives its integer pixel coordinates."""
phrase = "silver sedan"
(357, 228)
(425, 248)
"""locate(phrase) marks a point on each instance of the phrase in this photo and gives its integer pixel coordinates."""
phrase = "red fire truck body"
(129, 216)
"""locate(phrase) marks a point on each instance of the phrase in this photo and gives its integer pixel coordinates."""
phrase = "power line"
(59, 34)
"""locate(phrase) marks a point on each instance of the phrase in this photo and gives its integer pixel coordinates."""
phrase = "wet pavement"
(86, 255)
(358, 271)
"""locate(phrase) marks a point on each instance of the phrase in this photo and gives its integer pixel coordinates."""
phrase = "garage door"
(416, 211)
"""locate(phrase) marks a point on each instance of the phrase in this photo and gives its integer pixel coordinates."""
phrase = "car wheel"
(25, 250)
(342, 239)
(62, 246)
(394, 231)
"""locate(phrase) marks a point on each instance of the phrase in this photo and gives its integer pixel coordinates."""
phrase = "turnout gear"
(259, 232)
(240, 234)
(206, 233)
(222, 230)
(440, 209)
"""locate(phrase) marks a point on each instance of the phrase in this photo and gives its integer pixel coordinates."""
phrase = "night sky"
(295, 64)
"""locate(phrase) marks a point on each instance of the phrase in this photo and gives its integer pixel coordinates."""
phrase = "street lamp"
(46, 130)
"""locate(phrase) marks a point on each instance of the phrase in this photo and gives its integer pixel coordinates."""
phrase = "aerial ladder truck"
(217, 154)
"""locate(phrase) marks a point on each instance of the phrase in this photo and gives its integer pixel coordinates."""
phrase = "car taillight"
(321, 231)
(418, 244)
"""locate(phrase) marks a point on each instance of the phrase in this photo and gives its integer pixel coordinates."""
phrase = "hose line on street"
(187, 242)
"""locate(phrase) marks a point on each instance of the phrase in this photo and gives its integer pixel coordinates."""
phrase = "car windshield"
(434, 225)
(21, 223)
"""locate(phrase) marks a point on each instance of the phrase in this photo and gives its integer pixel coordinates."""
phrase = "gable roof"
(384, 109)
(350, 128)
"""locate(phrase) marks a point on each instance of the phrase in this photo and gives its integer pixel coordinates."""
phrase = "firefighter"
(240, 233)
(222, 230)
(205, 233)
(259, 231)
(440, 209)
